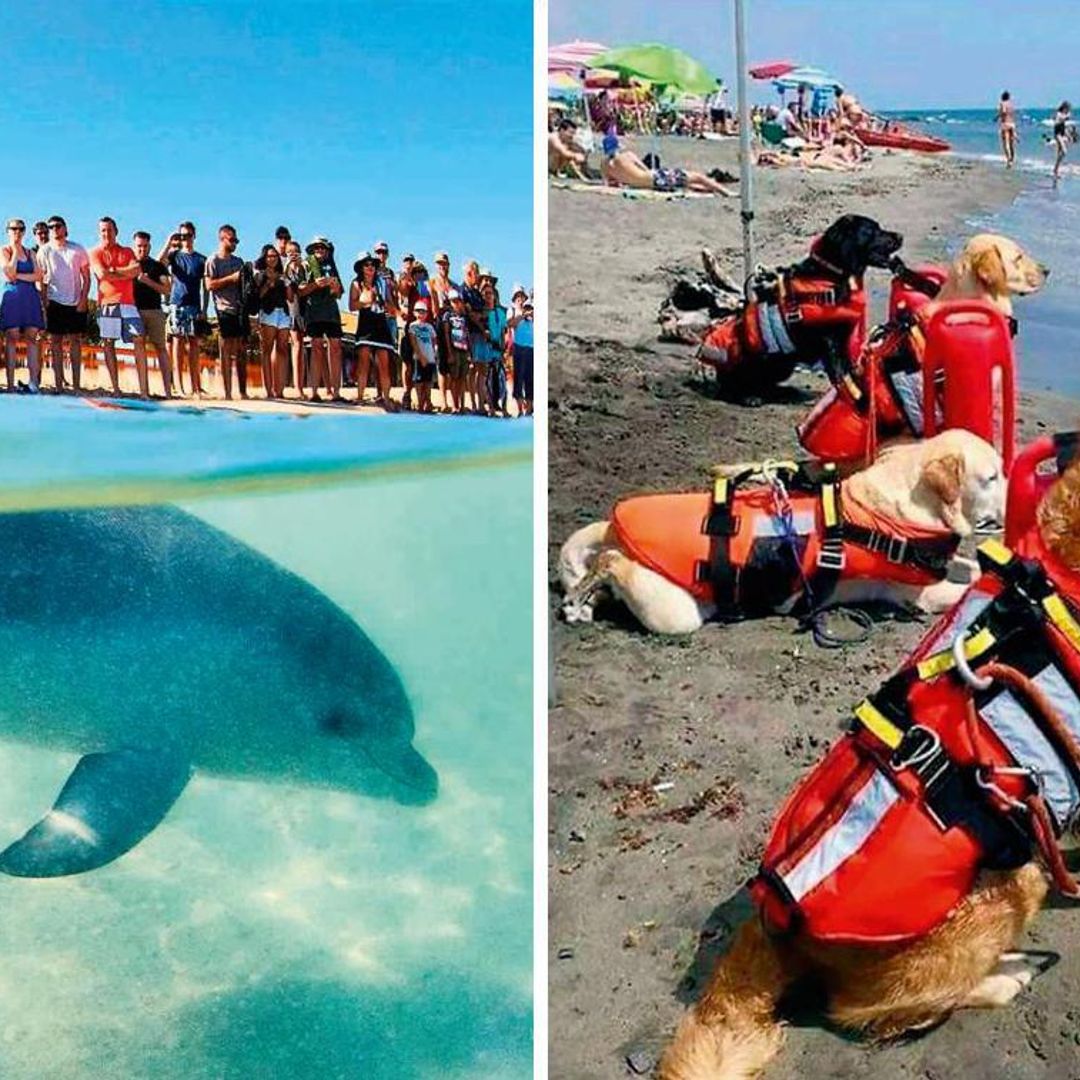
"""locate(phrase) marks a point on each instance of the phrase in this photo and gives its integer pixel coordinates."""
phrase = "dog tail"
(732, 1033)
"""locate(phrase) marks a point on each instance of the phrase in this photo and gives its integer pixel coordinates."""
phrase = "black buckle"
(831, 555)
(1014, 326)
(920, 750)
(792, 314)
(894, 548)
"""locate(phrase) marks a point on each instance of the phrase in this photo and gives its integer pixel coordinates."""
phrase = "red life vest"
(787, 319)
(879, 397)
(883, 839)
(751, 550)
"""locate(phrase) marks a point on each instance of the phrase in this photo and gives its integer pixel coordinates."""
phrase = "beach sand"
(645, 887)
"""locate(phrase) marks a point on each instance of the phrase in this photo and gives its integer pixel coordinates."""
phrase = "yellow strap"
(720, 490)
(996, 552)
(828, 504)
(940, 662)
(853, 388)
(878, 724)
(918, 341)
(1062, 619)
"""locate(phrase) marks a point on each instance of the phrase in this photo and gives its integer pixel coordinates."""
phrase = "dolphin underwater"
(153, 644)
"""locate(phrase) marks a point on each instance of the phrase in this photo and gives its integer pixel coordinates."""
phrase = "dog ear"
(944, 478)
(989, 267)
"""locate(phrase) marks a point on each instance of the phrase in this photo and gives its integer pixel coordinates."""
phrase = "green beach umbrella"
(659, 64)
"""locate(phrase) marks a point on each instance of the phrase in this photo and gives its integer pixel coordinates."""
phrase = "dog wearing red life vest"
(812, 311)
(965, 960)
(655, 553)
(877, 396)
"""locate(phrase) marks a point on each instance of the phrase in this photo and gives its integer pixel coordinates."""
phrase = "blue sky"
(895, 54)
(363, 121)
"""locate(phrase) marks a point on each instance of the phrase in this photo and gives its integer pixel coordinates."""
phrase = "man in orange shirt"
(116, 269)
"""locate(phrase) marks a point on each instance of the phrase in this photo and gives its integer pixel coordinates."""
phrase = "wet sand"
(668, 758)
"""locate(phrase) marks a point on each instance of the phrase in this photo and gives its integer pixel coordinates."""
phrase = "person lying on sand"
(844, 154)
(564, 154)
(622, 166)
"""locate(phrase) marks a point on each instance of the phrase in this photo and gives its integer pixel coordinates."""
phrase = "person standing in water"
(1063, 129)
(1006, 118)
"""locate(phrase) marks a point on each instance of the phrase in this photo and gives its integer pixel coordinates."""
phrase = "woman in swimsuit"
(20, 304)
(1062, 122)
(1006, 118)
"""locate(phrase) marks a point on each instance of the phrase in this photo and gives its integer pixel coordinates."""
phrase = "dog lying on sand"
(964, 960)
(937, 490)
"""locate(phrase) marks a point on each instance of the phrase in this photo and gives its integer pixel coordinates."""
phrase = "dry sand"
(645, 886)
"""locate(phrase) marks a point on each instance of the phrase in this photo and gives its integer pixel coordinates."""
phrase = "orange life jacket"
(787, 318)
(937, 780)
(752, 550)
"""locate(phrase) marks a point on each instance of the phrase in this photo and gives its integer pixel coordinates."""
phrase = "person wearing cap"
(372, 331)
(389, 288)
(439, 286)
(454, 337)
(423, 338)
(188, 300)
(65, 270)
(322, 288)
(116, 268)
(20, 303)
(223, 273)
(520, 324)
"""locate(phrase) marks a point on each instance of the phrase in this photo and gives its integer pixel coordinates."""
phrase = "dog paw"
(577, 613)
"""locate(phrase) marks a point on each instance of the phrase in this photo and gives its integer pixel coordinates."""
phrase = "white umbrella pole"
(746, 169)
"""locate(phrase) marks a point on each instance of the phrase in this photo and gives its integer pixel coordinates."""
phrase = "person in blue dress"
(21, 317)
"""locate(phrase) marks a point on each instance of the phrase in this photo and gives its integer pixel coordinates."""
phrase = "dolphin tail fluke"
(109, 803)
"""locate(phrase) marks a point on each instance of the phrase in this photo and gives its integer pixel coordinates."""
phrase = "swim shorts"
(64, 319)
(458, 364)
(232, 325)
(154, 321)
(182, 321)
(318, 328)
(669, 179)
(120, 322)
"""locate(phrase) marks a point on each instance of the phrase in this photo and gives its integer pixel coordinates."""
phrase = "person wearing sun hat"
(372, 332)
(321, 289)
(454, 342)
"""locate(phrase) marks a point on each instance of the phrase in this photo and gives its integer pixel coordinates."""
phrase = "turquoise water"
(278, 922)
(1045, 220)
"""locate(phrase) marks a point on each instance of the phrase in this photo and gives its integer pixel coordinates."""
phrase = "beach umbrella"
(563, 86)
(812, 77)
(772, 70)
(571, 56)
(660, 64)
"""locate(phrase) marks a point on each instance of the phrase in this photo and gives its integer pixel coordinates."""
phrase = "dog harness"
(945, 771)
(787, 317)
(782, 545)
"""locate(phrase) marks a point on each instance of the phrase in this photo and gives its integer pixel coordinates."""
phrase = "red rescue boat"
(896, 137)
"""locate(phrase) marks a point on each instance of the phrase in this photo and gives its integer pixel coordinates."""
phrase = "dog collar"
(828, 265)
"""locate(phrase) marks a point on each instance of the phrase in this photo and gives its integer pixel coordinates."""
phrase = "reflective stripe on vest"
(844, 838)
(803, 523)
(1021, 734)
(765, 329)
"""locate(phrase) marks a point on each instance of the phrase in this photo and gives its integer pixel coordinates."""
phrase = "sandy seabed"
(645, 887)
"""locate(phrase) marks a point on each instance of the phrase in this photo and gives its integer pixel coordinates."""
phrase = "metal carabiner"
(976, 682)
(1004, 796)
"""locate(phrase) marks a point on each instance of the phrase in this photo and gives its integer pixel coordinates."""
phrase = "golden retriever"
(953, 481)
(965, 962)
(993, 268)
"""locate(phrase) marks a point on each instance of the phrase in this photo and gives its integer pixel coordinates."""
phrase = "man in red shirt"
(116, 269)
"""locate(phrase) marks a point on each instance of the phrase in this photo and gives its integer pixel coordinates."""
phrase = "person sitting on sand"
(564, 154)
(624, 167)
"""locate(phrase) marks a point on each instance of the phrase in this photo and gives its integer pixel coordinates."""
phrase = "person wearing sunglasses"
(223, 273)
(66, 269)
(116, 268)
(20, 303)
(188, 298)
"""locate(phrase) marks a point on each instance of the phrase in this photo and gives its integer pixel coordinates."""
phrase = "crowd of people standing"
(413, 329)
